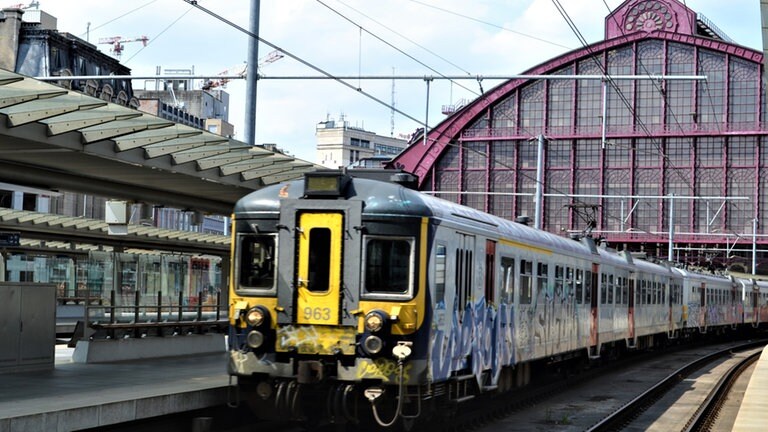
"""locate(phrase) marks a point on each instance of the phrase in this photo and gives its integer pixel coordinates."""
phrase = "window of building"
(680, 109)
(620, 101)
(649, 101)
(711, 93)
(505, 115)
(560, 104)
(357, 142)
(532, 107)
(589, 99)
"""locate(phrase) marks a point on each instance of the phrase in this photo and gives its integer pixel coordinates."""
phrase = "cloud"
(449, 36)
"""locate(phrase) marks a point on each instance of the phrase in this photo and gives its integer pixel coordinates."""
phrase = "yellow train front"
(328, 300)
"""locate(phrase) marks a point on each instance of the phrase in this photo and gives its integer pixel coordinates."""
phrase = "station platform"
(76, 395)
(753, 413)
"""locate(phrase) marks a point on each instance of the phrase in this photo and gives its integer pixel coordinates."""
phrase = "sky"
(357, 38)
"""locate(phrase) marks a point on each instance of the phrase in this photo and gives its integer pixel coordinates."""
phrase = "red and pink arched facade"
(702, 139)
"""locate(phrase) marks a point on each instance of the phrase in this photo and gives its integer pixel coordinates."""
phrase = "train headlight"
(255, 316)
(373, 344)
(254, 339)
(264, 390)
(374, 321)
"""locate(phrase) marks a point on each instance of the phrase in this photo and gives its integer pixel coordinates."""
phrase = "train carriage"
(357, 300)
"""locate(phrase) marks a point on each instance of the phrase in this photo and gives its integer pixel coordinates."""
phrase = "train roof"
(391, 198)
(387, 198)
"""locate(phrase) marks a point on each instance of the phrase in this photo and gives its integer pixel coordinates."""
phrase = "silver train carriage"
(354, 299)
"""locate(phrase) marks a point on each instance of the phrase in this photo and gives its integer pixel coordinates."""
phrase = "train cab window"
(257, 261)
(526, 282)
(388, 265)
(508, 280)
(440, 252)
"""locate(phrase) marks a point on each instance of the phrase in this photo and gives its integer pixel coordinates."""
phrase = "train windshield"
(257, 261)
(388, 265)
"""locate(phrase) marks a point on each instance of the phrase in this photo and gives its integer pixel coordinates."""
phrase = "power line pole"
(253, 75)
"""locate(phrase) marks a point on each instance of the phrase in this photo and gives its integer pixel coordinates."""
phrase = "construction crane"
(242, 70)
(117, 43)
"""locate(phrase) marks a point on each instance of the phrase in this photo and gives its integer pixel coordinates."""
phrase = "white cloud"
(287, 111)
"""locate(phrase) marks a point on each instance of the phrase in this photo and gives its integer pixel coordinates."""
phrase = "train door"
(755, 306)
(318, 273)
(490, 276)
(743, 301)
(465, 268)
(703, 307)
(734, 314)
(631, 310)
(594, 343)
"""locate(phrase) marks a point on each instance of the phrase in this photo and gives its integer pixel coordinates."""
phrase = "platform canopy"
(55, 139)
(65, 234)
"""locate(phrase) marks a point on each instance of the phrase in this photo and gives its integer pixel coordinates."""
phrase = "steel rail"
(705, 415)
(639, 404)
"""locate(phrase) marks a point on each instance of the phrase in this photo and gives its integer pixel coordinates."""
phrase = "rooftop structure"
(621, 149)
(340, 145)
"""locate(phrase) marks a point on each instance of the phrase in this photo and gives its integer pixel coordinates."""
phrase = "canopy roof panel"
(59, 139)
(78, 233)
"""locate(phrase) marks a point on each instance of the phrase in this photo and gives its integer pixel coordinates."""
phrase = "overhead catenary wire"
(406, 38)
(618, 90)
(300, 60)
(119, 17)
(661, 91)
(362, 29)
(419, 77)
(159, 34)
(340, 80)
(490, 24)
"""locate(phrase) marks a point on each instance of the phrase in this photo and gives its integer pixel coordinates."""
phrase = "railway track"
(586, 401)
(659, 400)
(708, 415)
(598, 399)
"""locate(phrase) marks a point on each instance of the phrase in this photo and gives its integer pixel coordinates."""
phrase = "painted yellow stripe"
(524, 246)
(232, 281)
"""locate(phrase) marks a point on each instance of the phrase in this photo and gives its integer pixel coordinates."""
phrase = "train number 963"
(317, 314)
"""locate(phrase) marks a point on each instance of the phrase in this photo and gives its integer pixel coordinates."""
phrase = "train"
(357, 299)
